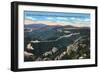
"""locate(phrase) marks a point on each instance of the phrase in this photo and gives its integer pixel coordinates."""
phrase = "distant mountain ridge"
(46, 27)
(34, 26)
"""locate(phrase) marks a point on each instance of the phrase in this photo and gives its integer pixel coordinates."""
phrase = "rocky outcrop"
(79, 49)
(28, 56)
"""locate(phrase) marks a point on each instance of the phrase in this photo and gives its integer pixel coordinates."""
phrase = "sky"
(73, 18)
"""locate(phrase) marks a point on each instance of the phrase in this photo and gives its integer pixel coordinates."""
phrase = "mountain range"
(46, 27)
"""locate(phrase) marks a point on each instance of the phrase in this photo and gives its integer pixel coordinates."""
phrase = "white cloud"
(72, 18)
(31, 18)
(87, 19)
(50, 18)
(80, 19)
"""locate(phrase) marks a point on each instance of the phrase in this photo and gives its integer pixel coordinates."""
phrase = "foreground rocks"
(79, 49)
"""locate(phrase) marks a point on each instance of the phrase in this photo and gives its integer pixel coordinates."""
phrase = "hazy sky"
(82, 18)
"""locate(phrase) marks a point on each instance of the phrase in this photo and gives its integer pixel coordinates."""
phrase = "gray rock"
(47, 53)
(54, 49)
(28, 56)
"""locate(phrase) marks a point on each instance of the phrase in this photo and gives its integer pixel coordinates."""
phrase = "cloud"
(31, 18)
(73, 18)
(62, 18)
(49, 18)
(87, 19)
(83, 19)
(80, 19)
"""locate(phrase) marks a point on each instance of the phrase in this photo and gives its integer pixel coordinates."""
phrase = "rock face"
(28, 56)
(79, 49)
